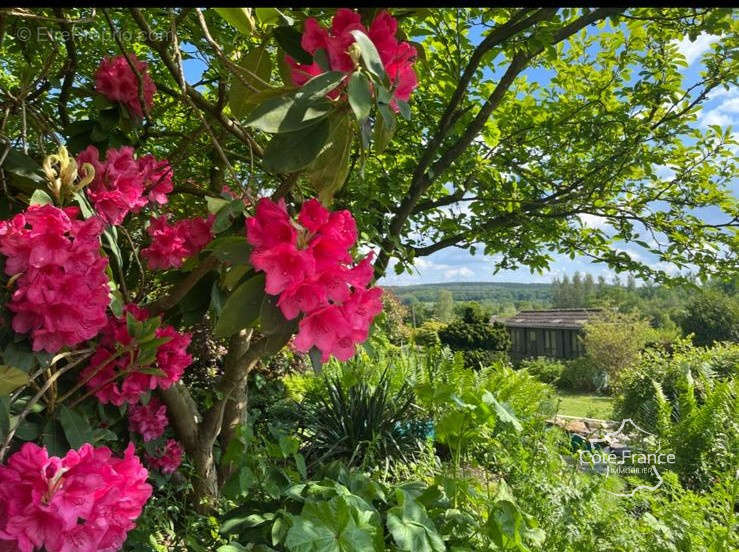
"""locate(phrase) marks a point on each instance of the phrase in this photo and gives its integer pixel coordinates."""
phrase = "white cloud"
(633, 254)
(725, 113)
(461, 272)
(592, 221)
(694, 50)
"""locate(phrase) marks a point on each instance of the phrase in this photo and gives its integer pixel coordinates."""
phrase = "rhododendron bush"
(102, 261)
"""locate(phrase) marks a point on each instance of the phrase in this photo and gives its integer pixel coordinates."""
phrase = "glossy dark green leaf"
(256, 77)
(360, 95)
(370, 56)
(11, 378)
(289, 40)
(239, 18)
(290, 152)
(242, 307)
(231, 249)
(76, 428)
(52, 437)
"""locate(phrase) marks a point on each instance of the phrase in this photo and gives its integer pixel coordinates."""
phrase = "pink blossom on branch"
(116, 380)
(149, 420)
(170, 458)
(61, 291)
(397, 57)
(171, 244)
(308, 264)
(124, 183)
(87, 501)
(117, 81)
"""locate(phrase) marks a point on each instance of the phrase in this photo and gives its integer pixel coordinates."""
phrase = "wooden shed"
(551, 333)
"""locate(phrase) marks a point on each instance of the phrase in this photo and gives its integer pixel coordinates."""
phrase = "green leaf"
(231, 249)
(215, 204)
(411, 528)
(242, 307)
(272, 16)
(239, 18)
(404, 109)
(289, 40)
(231, 547)
(226, 216)
(258, 64)
(360, 95)
(23, 171)
(503, 413)
(28, 431)
(76, 428)
(370, 56)
(110, 236)
(4, 417)
(11, 378)
(283, 114)
(328, 172)
(85, 207)
(40, 197)
(383, 132)
(52, 437)
(270, 316)
(19, 355)
(293, 151)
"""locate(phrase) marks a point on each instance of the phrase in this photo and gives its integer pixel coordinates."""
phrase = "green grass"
(585, 405)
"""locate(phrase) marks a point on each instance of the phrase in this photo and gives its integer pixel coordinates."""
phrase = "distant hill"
(497, 292)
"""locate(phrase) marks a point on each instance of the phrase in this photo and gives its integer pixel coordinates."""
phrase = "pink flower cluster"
(149, 420)
(116, 380)
(397, 57)
(84, 502)
(172, 243)
(115, 80)
(169, 459)
(124, 183)
(61, 291)
(317, 278)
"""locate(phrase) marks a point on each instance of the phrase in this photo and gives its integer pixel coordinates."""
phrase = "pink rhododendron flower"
(308, 265)
(117, 81)
(171, 244)
(149, 420)
(170, 459)
(397, 57)
(112, 376)
(61, 291)
(86, 501)
(285, 266)
(270, 226)
(124, 183)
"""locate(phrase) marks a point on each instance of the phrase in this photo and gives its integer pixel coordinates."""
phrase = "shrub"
(362, 424)
(613, 342)
(712, 316)
(544, 369)
(636, 398)
(427, 335)
(581, 374)
(474, 335)
(703, 436)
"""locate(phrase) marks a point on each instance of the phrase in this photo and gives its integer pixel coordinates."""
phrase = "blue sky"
(454, 264)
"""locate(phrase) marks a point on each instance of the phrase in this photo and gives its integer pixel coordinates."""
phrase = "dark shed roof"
(571, 319)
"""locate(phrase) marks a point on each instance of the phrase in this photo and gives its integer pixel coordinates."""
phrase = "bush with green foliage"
(544, 369)
(712, 316)
(476, 337)
(636, 398)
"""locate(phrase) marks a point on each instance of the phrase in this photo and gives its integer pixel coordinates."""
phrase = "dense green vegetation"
(270, 405)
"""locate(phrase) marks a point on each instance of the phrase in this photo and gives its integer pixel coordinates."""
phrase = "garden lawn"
(585, 405)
